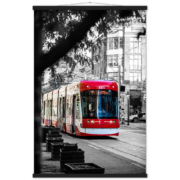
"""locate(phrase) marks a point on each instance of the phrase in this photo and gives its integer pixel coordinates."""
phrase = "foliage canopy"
(59, 25)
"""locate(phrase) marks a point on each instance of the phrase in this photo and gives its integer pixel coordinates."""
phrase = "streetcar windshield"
(99, 104)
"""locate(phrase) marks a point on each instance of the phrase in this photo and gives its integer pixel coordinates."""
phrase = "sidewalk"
(133, 125)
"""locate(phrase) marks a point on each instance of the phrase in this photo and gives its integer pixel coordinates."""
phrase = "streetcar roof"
(99, 82)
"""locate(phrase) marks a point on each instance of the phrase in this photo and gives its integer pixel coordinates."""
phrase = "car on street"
(143, 117)
(132, 118)
(135, 117)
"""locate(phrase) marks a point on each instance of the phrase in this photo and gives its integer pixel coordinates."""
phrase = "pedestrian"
(101, 110)
(139, 113)
(122, 118)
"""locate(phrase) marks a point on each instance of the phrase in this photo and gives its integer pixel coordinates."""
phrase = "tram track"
(126, 150)
(119, 152)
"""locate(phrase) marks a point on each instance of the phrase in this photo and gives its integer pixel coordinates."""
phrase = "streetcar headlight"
(110, 121)
(92, 121)
(114, 121)
(88, 121)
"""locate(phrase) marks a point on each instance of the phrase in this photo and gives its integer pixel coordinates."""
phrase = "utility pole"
(128, 106)
(119, 77)
(128, 109)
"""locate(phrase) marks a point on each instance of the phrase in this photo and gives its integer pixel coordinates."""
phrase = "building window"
(121, 42)
(110, 43)
(135, 62)
(135, 45)
(112, 60)
(104, 69)
(113, 43)
(135, 77)
(101, 69)
(97, 71)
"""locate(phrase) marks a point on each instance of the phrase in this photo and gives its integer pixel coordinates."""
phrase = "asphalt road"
(125, 154)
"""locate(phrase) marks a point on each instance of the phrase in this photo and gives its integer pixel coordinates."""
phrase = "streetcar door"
(63, 117)
(48, 116)
(50, 107)
(74, 114)
(43, 111)
(59, 112)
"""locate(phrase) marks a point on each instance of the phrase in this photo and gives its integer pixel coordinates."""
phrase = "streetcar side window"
(54, 107)
(44, 108)
(77, 108)
(60, 107)
(50, 107)
(47, 109)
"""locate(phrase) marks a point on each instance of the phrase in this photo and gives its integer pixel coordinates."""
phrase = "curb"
(137, 127)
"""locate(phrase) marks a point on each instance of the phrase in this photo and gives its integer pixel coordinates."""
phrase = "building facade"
(121, 51)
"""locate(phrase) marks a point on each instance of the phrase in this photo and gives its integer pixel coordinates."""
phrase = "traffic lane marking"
(104, 146)
(137, 150)
(115, 151)
(85, 140)
(134, 144)
(93, 146)
(121, 153)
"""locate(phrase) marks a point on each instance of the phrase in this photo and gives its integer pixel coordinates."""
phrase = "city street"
(88, 88)
(125, 154)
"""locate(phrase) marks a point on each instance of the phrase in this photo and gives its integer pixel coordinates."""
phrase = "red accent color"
(48, 122)
(78, 133)
(45, 122)
(100, 123)
(96, 84)
(115, 134)
(54, 123)
(64, 128)
(68, 130)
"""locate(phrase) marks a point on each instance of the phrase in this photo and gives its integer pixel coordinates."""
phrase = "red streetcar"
(87, 108)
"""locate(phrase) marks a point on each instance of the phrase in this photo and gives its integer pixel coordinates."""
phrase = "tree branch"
(46, 60)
